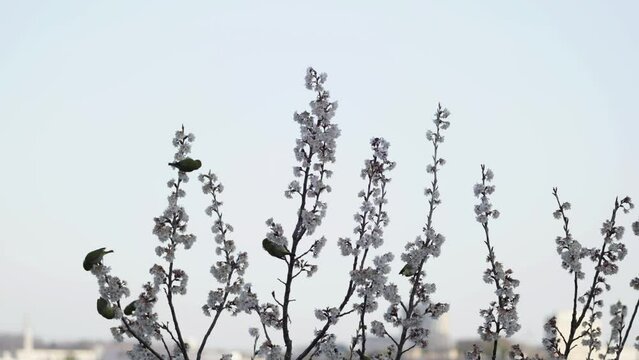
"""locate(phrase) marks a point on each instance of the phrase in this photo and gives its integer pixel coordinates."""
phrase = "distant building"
(29, 352)
(440, 345)
(26, 347)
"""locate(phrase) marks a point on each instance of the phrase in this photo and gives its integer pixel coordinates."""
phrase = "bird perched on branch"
(93, 258)
(407, 270)
(129, 309)
(105, 309)
(276, 250)
(186, 164)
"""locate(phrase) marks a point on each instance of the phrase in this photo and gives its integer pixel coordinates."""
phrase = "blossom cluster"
(430, 243)
(171, 226)
(568, 248)
(618, 323)
(558, 342)
(616, 250)
(411, 314)
(328, 348)
(618, 312)
(368, 281)
(111, 288)
(591, 333)
(501, 315)
(313, 150)
(371, 220)
(142, 324)
(228, 271)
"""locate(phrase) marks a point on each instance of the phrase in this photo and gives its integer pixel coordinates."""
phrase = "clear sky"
(544, 92)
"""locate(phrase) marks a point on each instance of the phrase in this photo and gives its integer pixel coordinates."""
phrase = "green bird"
(105, 309)
(93, 258)
(129, 309)
(274, 249)
(407, 270)
(186, 164)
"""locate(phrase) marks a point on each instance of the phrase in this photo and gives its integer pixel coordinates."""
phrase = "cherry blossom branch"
(610, 232)
(141, 341)
(503, 313)
(421, 249)
(224, 271)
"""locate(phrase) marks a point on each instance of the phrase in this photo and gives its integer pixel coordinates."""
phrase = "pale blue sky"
(543, 92)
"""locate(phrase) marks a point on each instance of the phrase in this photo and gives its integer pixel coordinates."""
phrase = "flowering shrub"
(368, 283)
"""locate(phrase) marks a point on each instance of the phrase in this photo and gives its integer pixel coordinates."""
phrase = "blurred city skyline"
(26, 346)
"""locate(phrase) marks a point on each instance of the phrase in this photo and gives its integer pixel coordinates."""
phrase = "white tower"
(27, 336)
